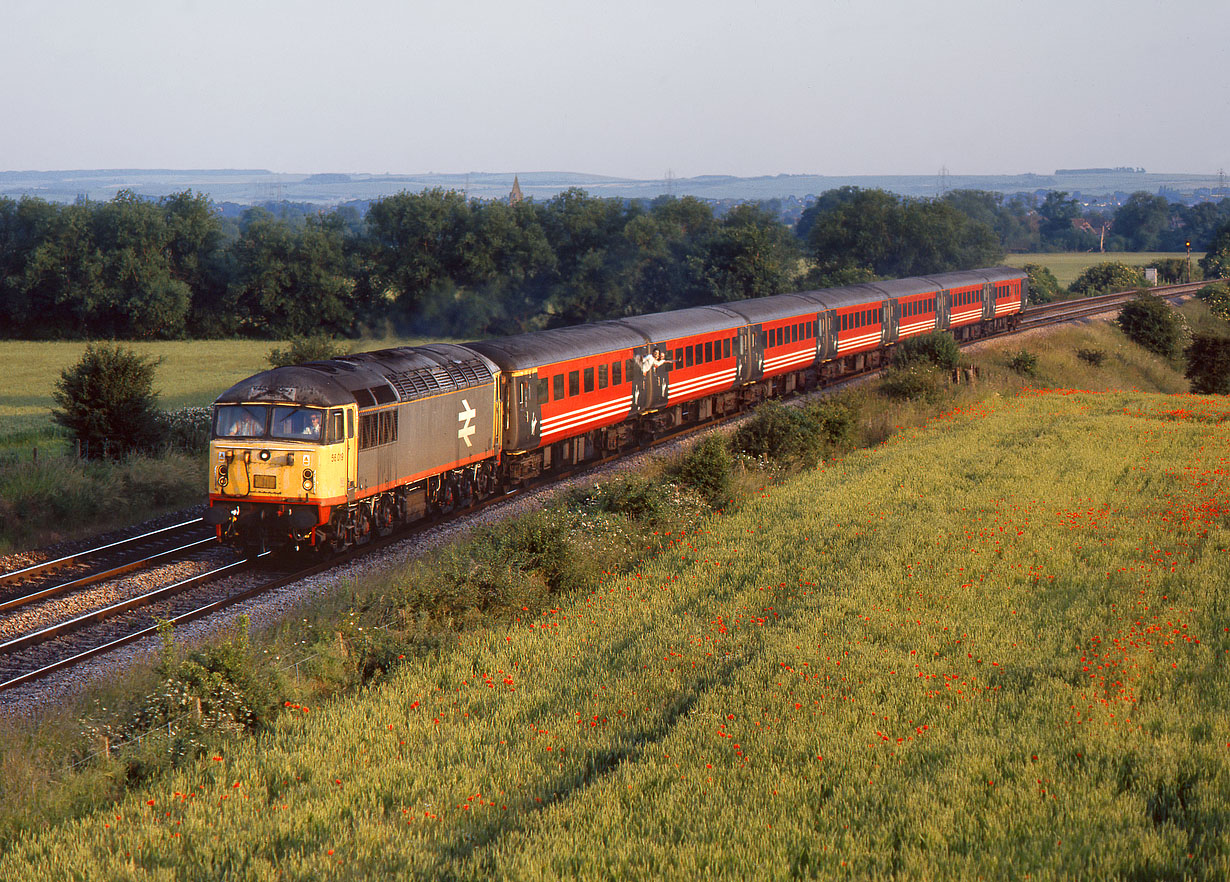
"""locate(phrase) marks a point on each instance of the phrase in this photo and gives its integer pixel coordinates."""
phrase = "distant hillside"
(250, 186)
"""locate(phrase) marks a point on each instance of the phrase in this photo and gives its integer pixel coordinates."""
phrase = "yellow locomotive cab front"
(276, 470)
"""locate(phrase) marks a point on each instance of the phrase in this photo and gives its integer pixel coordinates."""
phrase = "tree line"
(437, 263)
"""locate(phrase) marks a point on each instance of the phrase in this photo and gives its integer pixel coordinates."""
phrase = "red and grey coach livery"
(332, 452)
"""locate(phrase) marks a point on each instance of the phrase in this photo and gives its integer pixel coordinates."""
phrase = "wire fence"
(183, 431)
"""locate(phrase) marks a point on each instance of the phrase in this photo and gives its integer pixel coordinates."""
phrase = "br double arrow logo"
(467, 414)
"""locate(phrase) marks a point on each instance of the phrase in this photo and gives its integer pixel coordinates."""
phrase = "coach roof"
(539, 348)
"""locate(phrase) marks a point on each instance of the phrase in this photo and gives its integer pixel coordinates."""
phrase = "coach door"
(943, 310)
(892, 321)
(988, 301)
(750, 361)
(528, 409)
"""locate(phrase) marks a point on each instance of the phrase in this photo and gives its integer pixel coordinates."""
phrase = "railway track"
(1068, 310)
(100, 562)
(38, 652)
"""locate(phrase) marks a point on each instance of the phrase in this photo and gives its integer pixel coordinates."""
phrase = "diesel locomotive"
(329, 453)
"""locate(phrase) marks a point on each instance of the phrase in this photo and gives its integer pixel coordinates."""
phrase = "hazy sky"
(623, 87)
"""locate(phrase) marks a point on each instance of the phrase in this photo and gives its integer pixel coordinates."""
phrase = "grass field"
(191, 373)
(1067, 266)
(995, 646)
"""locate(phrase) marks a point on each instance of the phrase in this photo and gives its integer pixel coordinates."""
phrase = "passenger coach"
(333, 452)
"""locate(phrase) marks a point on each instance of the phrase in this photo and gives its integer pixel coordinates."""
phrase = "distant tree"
(852, 229)
(936, 237)
(874, 231)
(107, 401)
(1142, 221)
(292, 282)
(1009, 219)
(1196, 224)
(1057, 214)
(1216, 263)
(749, 255)
(1208, 365)
(1150, 322)
(1106, 278)
(1043, 286)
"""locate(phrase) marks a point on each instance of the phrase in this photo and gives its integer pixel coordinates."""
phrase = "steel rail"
(65, 587)
(122, 606)
(33, 569)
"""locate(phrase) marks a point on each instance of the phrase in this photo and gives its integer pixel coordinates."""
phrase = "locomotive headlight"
(264, 456)
(308, 482)
(222, 476)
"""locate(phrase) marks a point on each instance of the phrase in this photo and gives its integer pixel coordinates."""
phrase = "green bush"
(1107, 278)
(316, 347)
(1093, 357)
(186, 429)
(794, 435)
(1217, 297)
(1043, 286)
(1024, 363)
(709, 469)
(939, 349)
(1174, 271)
(633, 496)
(1150, 322)
(107, 401)
(913, 383)
(1208, 365)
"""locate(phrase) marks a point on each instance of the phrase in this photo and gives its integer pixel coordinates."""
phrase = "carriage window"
(574, 383)
(602, 376)
(628, 369)
(700, 353)
(589, 379)
(337, 427)
(617, 373)
(557, 382)
(688, 355)
(678, 358)
(726, 348)
(709, 351)
(541, 391)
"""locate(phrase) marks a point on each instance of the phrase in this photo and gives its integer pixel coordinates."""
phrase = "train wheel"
(467, 490)
(362, 528)
(384, 516)
(446, 498)
(485, 481)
